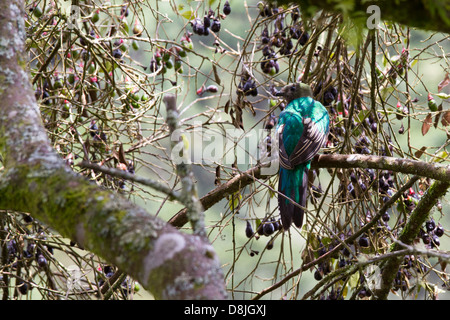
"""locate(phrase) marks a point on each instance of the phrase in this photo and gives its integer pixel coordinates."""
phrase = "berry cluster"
(430, 236)
(269, 64)
(343, 258)
(362, 145)
(326, 94)
(410, 199)
(280, 40)
(372, 124)
(29, 253)
(247, 86)
(410, 265)
(265, 228)
(209, 22)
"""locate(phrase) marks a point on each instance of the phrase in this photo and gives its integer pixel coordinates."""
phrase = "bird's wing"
(311, 140)
(284, 157)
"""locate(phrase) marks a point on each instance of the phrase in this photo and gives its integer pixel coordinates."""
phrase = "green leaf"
(362, 115)
(189, 15)
(386, 91)
(326, 241)
(440, 156)
(354, 280)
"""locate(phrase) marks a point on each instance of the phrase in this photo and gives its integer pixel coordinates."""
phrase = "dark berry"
(260, 229)
(318, 275)
(436, 242)
(364, 242)
(270, 244)
(124, 11)
(317, 192)
(226, 8)
(374, 127)
(270, 122)
(249, 230)
(322, 250)
(430, 225)
(268, 229)
(439, 231)
(11, 246)
(215, 26)
(328, 98)
(23, 287)
(295, 14)
(212, 88)
(206, 21)
(346, 252)
(426, 238)
(93, 129)
(304, 38)
(153, 65)
(107, 269)
(200, 29)
(351, 190)
(276, 225)
(41, 261)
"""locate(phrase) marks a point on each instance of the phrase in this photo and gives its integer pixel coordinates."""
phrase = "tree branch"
(173, 195)
(424, 169)
(188, 195)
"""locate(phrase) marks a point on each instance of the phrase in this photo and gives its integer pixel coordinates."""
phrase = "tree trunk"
(170, 264)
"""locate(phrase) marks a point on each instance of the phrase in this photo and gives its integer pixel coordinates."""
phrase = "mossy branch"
(409, 233)
(168, 263)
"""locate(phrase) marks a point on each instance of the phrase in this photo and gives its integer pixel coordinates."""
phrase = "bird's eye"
(292, 88)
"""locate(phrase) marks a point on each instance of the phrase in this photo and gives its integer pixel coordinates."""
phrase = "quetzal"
(303, 128)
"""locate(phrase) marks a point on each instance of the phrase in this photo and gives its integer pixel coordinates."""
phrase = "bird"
(302, 129)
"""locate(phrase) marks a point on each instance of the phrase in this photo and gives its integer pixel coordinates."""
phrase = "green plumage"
(303, 129)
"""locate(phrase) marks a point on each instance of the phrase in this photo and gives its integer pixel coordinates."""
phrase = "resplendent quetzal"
(302, 128)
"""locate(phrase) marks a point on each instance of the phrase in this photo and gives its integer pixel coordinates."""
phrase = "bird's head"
(294, 91)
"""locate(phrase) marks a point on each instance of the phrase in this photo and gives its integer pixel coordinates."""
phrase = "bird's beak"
(279, 93)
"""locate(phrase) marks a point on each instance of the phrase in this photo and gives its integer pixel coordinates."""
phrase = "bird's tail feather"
(288, 210)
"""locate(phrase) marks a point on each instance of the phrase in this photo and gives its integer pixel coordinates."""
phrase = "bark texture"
(168, 263)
